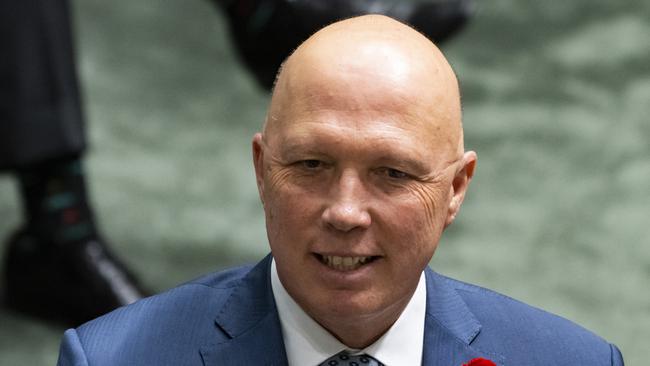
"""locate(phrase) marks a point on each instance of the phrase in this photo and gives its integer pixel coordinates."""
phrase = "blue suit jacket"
(229, 318)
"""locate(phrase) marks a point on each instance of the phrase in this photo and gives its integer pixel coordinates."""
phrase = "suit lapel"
(251, 324)
(450, 327)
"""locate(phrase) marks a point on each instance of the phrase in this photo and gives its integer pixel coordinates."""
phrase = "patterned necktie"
(346, 359)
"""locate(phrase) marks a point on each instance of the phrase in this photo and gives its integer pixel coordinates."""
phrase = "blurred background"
(556, 103)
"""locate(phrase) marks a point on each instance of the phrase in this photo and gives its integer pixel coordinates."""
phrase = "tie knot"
(346, 359)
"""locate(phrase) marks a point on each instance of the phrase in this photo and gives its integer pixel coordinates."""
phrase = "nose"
(347, 207)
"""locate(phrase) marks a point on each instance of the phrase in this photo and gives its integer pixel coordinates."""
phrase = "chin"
(350, 305)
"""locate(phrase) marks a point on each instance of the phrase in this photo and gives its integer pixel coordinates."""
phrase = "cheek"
(288, 206)
(282, 226)
(415, 222)
(275, 179)
(276, 187)
(431, 201)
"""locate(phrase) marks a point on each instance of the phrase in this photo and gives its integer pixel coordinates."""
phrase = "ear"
(258, 162)
(459, 185)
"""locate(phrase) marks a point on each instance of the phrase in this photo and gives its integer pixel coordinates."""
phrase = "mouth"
(344, 264)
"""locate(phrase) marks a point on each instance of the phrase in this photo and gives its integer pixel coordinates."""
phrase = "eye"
(394, 173)
(311, 164)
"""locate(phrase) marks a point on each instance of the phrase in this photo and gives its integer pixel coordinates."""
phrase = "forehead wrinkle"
(408, 129)
(432, 115)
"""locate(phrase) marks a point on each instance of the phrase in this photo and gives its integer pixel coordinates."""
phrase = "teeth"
(344, 263)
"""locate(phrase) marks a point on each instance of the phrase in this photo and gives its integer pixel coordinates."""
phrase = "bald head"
(361, 156)
(371, 62)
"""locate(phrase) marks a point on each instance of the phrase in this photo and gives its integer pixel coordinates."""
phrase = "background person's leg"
(57, 258)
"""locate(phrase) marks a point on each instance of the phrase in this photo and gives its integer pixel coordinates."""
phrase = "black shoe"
(68, 284)
(265, 32)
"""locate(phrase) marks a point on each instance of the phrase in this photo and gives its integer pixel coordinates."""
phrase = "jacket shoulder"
(528, 335)
(222, 279)
(159, 329)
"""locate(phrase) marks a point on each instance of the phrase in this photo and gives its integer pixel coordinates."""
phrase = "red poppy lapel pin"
(480, 362)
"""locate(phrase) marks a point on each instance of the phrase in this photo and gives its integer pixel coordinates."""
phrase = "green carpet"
(556, 102)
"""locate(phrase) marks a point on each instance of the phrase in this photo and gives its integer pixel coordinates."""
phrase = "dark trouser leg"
(56, 267)
(40, 110)
(55, 201)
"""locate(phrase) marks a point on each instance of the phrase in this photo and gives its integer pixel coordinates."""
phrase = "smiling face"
(360, 169)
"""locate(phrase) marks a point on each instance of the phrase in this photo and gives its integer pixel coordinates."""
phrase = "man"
(360, 167)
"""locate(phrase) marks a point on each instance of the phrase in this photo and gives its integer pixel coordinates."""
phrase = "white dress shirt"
(308, 343)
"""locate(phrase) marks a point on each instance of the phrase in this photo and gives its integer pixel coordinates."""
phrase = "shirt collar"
(307, 343)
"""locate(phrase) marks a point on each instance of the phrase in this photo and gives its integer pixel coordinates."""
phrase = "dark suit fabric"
(230, 318)
(40, 112)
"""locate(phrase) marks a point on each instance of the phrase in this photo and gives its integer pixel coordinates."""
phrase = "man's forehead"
(367, 110)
